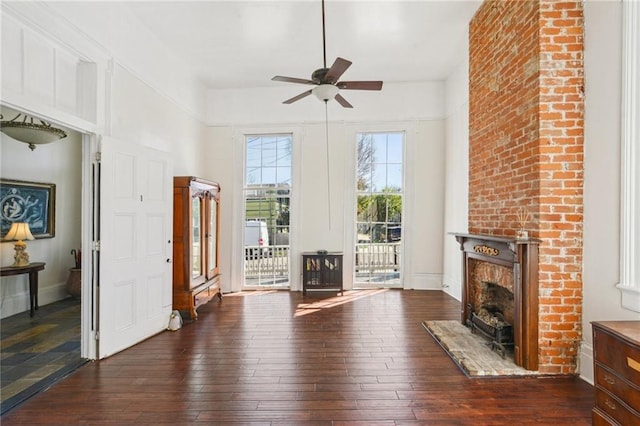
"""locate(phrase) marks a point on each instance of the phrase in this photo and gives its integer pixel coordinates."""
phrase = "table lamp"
(19, 231)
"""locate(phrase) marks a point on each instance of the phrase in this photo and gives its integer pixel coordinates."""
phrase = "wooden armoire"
(196, 225)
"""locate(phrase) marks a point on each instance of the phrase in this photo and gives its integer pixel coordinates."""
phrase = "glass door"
(267, 196)
(379, 202)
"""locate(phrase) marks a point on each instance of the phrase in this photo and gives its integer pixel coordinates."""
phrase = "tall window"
(379, 190)
(267, 194)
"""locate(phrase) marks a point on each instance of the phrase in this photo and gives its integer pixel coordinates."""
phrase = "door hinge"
(98, 156)
(97, 335)
(95, 245)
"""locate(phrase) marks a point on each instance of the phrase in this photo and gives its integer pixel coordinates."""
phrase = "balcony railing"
(271, 264)
(266, 261)
(377, 257)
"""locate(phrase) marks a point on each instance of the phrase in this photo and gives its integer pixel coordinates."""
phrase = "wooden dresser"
(616, 354)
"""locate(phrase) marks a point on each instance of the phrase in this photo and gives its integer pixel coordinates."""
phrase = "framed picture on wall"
(30, 202)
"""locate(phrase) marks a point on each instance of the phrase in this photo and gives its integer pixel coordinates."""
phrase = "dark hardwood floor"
(273, 358)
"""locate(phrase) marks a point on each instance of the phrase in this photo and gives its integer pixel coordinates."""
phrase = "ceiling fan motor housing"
(318, 76)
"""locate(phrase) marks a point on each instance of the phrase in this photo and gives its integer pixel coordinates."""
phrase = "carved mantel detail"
(522, 257)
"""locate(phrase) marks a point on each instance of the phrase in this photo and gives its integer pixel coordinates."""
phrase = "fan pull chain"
(326, 132)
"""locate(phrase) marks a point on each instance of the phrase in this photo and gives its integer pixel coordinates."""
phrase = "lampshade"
(325, 92)
(30, 130)
(19, 231)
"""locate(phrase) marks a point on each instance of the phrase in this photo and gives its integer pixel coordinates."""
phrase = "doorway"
(267, 209)
(379, 207)
(39, 349)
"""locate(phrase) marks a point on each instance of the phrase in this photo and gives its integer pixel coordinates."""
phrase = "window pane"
(364, 233)
(394, 178)
(394, 148)
(366, 208)
(253, 176)
(283, 176)
(253, 153)
(284, 151)
(378, 177)
(379, 148)
(268, 152)
(394, 209)
(378, 233)
(268, 176)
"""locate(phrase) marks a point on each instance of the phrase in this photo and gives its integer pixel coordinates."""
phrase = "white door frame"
(89, 295)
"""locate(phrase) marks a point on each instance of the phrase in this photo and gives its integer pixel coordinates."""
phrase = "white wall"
(121, 34)
(59, 163)
(263, 105)
(236, 112)
(141, 115)
(457, 176)
(601, 299)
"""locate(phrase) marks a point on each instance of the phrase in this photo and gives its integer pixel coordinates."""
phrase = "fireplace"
(492, 315)
(500, 293)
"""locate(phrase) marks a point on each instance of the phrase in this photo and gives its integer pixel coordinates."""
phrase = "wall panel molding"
(630, 162)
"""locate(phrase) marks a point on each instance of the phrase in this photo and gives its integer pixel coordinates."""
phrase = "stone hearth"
(471, 352)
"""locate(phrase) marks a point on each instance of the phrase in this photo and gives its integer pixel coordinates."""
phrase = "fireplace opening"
(492, 316)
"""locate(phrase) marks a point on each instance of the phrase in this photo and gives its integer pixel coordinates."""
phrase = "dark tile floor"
(35, 352)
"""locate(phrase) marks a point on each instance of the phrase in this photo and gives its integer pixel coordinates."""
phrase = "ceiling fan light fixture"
(325, 92)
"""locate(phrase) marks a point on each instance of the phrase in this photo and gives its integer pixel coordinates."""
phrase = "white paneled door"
(135, 244)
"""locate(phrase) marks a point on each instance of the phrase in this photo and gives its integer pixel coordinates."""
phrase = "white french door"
(379, 207)
(135, 248)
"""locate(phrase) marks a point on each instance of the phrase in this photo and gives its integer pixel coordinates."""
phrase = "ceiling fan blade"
(293, 80)
(342, 101)
(337, 69)
(360, 85)
(297, 98)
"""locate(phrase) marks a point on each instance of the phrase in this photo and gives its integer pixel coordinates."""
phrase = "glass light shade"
(31, 130)
(325, 92)
(19, 231)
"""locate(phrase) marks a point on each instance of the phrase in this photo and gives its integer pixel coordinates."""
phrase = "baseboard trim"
(17, 303)
(585, 366)
(425, 282)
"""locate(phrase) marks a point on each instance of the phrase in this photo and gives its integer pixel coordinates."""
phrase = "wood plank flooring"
(276, 358)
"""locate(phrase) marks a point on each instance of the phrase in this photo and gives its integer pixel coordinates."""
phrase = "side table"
(31, 269)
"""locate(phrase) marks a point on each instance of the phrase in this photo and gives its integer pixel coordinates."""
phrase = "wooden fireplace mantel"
(522, 257)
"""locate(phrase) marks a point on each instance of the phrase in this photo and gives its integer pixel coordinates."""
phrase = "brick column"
(526, 150)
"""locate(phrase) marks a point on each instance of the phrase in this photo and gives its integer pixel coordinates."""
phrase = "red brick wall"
(526, 150)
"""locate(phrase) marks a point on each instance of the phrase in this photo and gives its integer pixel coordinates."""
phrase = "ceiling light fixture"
(325, 92)
(30, 130)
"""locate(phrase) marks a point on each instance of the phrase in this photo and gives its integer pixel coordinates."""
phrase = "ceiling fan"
(326, 79)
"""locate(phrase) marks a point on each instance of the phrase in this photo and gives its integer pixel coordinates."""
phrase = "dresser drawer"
(601, 419)
(624, 390)
(617, 355)
(615, 409)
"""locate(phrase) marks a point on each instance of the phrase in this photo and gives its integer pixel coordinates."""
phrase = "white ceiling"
(242, 44)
